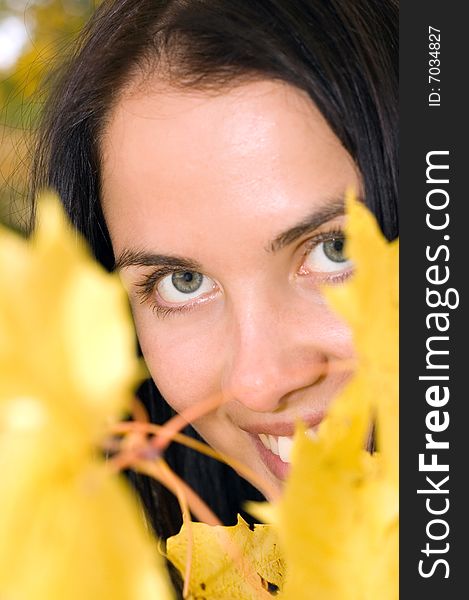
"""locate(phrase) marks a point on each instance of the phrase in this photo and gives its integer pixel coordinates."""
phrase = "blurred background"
(35, 37)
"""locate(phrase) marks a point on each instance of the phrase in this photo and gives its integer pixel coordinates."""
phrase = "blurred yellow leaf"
(370, 304)
(68, 527)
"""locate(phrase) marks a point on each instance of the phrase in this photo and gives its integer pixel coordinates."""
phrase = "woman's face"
(225, 213)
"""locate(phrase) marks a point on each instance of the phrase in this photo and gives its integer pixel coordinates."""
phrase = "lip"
(285, 428)
(273, 462)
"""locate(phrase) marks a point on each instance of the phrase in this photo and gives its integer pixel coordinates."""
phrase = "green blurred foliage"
(49, 28)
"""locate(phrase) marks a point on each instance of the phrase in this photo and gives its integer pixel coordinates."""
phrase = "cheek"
(182, 360)
(315, 327)
(319, 318)
(337, 335)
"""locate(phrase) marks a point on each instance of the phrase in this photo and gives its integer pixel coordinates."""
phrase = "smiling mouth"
(281, 445)
(273, 441)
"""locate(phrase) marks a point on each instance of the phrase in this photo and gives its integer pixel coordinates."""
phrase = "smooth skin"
(236, 198)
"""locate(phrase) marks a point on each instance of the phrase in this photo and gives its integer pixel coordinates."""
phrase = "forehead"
(257, 156)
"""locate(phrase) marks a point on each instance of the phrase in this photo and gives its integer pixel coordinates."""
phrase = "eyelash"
(326, 236)
(149, 282)
(148, 285)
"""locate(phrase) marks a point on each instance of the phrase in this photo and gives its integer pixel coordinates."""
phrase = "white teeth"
(273, 444)
(281, 445)
(284, 448)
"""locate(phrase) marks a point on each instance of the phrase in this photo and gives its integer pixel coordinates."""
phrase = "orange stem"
(197, 506)
(186, 519)
(139, 412)
(267, 489)
(178, 422)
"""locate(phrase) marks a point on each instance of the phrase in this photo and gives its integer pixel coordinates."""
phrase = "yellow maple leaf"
(229, 562)
(69, 528)
(338, 517)
(370, 304)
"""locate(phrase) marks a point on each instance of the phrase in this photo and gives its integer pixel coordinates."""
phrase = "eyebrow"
(142, 258)
(329, 211)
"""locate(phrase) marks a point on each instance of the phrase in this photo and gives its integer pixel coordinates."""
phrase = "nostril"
(267, 381)
(258, 393)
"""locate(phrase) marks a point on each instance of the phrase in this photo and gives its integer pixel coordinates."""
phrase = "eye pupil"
(187, 282)
(338, 245)
(334, 250)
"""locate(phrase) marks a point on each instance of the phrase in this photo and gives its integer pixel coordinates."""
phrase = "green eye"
(327, 255)
(334, 249)
(187, 282)
(183, 286)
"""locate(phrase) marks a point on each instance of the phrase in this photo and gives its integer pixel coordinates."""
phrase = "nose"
(268, 359)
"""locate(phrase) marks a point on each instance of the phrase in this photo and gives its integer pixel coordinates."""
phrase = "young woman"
(203, 148)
